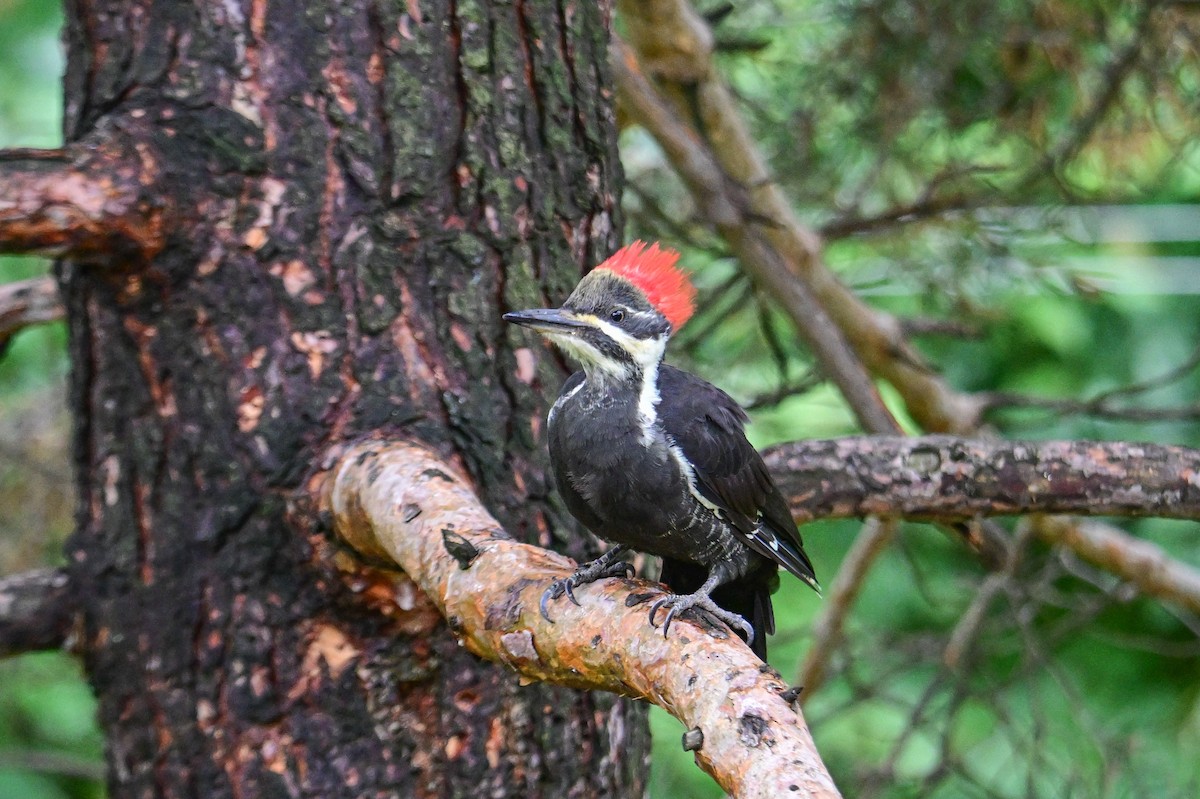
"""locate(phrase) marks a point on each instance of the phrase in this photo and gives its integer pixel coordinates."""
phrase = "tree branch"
(966, 632)
(729, 214)
(1112, 81)
(37, 611)
(947, 478)
(1138, 562)
(95, 198)
(64, 763)
(923, 208)
(830, 621)
(400, 502)
(728, 178)
(26, 303)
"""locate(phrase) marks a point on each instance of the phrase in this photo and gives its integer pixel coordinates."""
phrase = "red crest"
(652, 269)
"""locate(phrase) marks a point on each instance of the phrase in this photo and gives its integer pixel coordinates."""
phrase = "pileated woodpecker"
(655, 459)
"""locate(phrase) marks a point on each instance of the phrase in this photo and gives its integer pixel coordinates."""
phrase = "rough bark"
(947, 478)
(356, 192)
(401, 503)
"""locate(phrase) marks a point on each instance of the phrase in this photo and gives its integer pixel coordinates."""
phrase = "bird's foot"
(677, 604)
(598, 569)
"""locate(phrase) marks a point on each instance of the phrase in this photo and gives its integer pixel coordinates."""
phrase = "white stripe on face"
(645, 352)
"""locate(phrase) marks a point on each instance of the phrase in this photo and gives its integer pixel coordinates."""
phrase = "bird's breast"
(601, 454)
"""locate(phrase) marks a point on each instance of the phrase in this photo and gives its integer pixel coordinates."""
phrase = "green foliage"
(950, 151)
(50, 746)
(943, 147)
(30, 73)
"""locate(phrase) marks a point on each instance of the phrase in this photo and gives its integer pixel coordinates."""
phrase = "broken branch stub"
(98, 199)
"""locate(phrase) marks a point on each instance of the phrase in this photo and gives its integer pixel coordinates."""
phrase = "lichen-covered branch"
(37, 611)
(27, 302)
(96, 198)
(401, 503)
(673, 45)
(948, 478)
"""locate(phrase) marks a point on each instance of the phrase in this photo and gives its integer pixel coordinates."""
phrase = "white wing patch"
(690, 474)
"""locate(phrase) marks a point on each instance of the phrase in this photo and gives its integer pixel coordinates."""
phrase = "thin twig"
(830, 623)
(63, 763)
(805, 383)
(1113, 79)
(732, 295)
(1140, 563)
(26, 303)
(921, 326)
(966, 631)
(771, 337)
(1101, 404)
(656, 212)
(1165, 379)
(910, 212)
(1096, 407)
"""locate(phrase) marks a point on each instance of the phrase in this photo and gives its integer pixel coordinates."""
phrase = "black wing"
(709, 427)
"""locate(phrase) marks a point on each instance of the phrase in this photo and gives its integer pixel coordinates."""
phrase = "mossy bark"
(357, 192)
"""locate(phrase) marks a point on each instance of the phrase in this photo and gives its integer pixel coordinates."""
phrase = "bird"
(654, 459)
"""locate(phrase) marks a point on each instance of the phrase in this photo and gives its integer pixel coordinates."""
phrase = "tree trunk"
(338, 203)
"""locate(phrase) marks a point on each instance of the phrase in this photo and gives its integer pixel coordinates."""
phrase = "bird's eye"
(617, 315)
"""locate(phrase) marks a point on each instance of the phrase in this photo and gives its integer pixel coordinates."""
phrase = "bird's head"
(617, 320)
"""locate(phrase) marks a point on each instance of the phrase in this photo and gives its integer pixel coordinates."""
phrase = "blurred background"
(1018, 181)
(50, 746)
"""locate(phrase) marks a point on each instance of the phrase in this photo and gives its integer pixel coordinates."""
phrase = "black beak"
(546, 319)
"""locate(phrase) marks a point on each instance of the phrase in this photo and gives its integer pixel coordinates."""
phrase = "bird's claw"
(587, 574)
(555, 590)
(677, 604)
